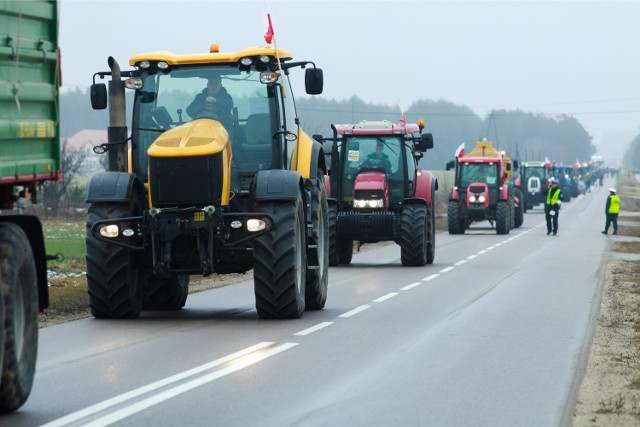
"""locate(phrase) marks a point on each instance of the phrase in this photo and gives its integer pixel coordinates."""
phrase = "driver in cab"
(213, 102)
(378, 159)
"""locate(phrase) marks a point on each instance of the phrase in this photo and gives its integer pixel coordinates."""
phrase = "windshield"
(379, 153)
(223, 93)
(486, 173)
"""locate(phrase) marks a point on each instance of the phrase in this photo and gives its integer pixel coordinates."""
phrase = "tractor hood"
(202, 137)
(370, 181)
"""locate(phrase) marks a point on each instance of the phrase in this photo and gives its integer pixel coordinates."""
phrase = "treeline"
(524, 135)
(631, 158)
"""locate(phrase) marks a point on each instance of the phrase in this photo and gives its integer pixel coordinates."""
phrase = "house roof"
(87, 137)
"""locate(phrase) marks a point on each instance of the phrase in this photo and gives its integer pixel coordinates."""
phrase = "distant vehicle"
(534, 177)
(568, 180)
(29, 156)
(484, 189)
(377, 193)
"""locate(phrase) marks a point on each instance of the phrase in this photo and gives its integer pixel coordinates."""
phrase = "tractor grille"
(185, 181)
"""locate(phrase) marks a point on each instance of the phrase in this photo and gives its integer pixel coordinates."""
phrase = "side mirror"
(450, 165)
(313, 81)
(508, 167)
(98, 94)
(318, 138)
(426, 142)
(516, 165)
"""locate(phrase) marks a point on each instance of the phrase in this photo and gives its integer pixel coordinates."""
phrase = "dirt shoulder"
(609, 394)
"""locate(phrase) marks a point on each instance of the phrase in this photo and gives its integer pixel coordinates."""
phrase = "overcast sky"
(556, 57)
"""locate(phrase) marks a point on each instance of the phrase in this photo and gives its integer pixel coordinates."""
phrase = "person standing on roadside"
(611, 210)
(552, 207)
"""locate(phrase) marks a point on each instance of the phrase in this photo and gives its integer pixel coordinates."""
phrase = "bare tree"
(54, 192)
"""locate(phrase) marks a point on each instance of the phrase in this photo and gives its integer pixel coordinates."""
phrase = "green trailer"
(29, 156)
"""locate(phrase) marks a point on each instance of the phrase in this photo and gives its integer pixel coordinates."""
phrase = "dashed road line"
(312, 329)
(411, 286)
(386, 297)
(354, 311)
(444, 270)
(433, 276)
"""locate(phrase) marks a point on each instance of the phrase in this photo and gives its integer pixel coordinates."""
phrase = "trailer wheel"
(413, 236)
(168, 293)
(280, 261)
(454, 222)
(345, 251)
(113, 281)
(503, 216)
(332, 214)
(431, 234)
(20, 321)
(318, 278)
(519, 210)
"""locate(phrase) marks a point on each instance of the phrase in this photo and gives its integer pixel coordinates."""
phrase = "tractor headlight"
(368, 203)
(111, 231)
(254, 225)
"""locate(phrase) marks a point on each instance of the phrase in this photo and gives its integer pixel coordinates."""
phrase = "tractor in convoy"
(568, 179)
(485, 189)
(378, 193)
(535, 178)
(29, 156)
(220, 180)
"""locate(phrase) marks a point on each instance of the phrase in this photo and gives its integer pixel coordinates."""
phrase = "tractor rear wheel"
(19, 295)
(431, 233)
(345, 251)
(113, 281)
(519, 209)
(503, 216)
(168, 293)
(413, 236)
(280, 261)
(455, 224)
(318, 278)
(332, 214)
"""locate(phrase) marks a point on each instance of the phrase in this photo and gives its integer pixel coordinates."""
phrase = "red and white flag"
(547, 163)
(460, 151)
(268, 37)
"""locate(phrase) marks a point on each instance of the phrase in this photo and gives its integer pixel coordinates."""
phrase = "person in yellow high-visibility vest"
(552, 207)
(611, 210)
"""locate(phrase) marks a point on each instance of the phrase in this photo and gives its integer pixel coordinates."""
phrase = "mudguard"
(112, 187)
(426, 185)
(504, 192)
(277, 185)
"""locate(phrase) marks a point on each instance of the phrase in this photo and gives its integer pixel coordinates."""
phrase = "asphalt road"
(494, 333)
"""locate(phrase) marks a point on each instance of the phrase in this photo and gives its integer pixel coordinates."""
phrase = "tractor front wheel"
(413, 236)
(280, 261)
(318, 278)
(168, 293)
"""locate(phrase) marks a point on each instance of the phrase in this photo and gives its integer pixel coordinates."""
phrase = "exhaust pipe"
(117, 131)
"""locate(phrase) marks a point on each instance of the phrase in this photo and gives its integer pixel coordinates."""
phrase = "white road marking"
(355, 311)
(482, 252)
(98, 407)
(444, 270)
(140, 406)
(386, 297)
(433, 276)
(459, 263)
(313, 328)
(470, 257)
(411, 286)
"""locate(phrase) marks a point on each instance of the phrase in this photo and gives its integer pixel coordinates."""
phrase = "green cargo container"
(29, 86)
(29, 155)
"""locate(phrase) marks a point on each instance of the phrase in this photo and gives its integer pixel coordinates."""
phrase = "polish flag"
(547, 163)
(268, 37)
(460, 151)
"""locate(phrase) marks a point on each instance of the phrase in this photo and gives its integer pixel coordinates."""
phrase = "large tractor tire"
(19, 296)
(332, 214)
(280, 260)
(318, 278)
(431, 233)
(518, 210)
(454, 222)
(345, 251)
(566, 193)
(168, 293)
(503, 216)
(413, 236)
(114, 283)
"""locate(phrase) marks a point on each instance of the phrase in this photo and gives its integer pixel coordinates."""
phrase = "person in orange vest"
(552, 207)
(611, 210)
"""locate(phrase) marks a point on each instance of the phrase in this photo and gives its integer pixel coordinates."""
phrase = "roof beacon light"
(214, 48)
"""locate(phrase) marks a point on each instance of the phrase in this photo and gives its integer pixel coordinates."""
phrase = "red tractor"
(485, 190)
(376, 192)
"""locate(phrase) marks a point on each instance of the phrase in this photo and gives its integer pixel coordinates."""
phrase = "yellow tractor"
(215, 176)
